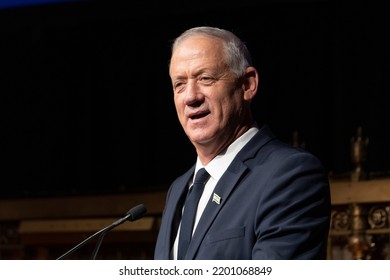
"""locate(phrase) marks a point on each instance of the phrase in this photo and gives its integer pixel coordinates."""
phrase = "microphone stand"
(97, 247)
(132, 215)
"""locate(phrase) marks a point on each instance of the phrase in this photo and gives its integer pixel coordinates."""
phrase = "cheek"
(180, 111)
(178, 105)
(228, 107)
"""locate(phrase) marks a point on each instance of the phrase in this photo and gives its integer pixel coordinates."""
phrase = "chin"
(200, 139)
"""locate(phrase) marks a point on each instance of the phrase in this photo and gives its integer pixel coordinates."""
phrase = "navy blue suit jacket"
(275, 204)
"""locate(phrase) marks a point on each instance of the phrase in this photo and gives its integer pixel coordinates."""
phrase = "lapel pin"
(216, 198)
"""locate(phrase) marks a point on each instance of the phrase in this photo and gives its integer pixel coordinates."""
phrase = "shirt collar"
(221, 162)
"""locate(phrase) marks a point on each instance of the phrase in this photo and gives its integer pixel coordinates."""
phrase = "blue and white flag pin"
(216, 198)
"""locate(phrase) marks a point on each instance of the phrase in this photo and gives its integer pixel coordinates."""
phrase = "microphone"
(135, 213)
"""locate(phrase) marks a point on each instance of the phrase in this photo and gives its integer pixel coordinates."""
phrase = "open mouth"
(198, 115)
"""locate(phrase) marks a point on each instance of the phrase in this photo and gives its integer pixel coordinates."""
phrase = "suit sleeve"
(294, 211)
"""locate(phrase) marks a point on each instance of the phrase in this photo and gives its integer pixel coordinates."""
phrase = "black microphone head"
(137, 212)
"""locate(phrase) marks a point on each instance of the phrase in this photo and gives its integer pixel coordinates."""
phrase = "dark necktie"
(190, 207)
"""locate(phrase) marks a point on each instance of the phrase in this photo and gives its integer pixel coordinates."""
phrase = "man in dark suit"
(262, 199)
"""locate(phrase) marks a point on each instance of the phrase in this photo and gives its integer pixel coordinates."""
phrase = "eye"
(178, 86)
(206, 80)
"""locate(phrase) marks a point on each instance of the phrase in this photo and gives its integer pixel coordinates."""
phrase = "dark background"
(87, 105)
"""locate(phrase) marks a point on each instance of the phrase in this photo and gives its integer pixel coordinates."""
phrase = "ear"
(250, 83)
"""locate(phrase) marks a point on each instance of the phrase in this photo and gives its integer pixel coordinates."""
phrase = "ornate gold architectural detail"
(360, 222)
(359, 155)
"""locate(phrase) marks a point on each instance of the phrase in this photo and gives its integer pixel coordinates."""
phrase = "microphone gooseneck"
(135, 213)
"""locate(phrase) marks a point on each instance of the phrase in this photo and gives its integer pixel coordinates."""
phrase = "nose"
(193, 95)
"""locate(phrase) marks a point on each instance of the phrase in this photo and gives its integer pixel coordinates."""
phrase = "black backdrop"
(87, 106)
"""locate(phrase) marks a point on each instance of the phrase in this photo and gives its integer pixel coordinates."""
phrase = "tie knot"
(201, 176)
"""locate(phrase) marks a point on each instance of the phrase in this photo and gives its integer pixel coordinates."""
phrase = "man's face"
(207, 95)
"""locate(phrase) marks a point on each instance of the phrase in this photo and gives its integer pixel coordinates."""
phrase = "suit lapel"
(178, 191)
(226, 185)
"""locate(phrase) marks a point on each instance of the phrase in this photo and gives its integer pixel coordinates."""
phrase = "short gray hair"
(237, 54)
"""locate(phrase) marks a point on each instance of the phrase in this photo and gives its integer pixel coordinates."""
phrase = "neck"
(207, 152)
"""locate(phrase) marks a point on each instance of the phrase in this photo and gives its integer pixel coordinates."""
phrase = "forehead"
(195, 50)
